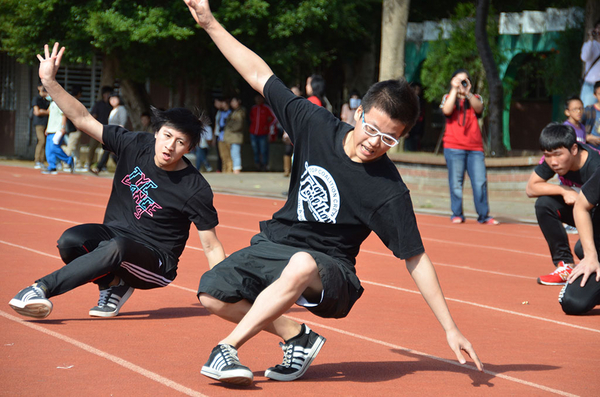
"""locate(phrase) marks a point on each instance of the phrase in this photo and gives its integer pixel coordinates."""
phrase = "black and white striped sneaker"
(298, 353)
(224, 365)
(32, 302)
(111, 299)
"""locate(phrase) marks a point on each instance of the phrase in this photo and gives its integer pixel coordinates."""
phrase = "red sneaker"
(557, 277)
(491, 221)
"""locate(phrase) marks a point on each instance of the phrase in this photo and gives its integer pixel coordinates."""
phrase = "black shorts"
(245, 273)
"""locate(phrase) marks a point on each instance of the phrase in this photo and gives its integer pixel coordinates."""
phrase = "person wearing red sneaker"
(574, 163)
(582, 290)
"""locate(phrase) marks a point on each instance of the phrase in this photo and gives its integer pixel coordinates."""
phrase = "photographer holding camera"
(590, 54)
(463, 147)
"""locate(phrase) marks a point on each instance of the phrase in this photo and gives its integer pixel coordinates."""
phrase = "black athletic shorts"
(245, 273)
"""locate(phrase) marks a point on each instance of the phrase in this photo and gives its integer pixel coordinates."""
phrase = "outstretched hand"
(200, 10)
(50, 63)
(458, 343)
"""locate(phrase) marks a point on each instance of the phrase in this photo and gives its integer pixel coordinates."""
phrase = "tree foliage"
(459, 51)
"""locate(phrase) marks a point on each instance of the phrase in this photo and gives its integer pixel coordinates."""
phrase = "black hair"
(396, 99)
(572, 98)
(76, 89)
(317, 83)
(181, 119)
(353, 92)
(596, 86)
(557, 135)
(106, 89)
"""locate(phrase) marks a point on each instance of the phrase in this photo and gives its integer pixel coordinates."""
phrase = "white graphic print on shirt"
(319, 194)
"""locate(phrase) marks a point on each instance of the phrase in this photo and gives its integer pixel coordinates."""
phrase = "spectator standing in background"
(101, 110)
(591, 120)
(590, 54)
(574, 113)
(348, 109)
(261, 121)
(234, 133)
(463, 148)
(40, 106)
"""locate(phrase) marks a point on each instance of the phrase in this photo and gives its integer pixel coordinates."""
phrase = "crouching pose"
(156, 195)
(342, 187)
(582, 290)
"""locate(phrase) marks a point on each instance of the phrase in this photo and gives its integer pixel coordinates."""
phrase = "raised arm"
(249, 65)
(71, 107)
(423, 273)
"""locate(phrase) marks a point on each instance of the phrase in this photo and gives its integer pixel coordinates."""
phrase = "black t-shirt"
(42, 103)
(591, 189)
(573, 178)
(333, 202)
(101, 110)
(149, 204)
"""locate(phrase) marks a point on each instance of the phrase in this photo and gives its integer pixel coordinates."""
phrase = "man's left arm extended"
(423, 273)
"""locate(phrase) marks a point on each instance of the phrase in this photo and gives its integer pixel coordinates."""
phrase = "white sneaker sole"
(39, 308)
(239, 377)
(311, 356)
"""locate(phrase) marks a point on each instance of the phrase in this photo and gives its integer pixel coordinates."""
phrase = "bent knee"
(211, 303)
(571, 305)
(301, 266)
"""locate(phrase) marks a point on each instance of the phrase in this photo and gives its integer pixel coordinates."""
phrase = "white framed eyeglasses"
(373, 131)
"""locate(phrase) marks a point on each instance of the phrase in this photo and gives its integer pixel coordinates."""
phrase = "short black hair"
(317, 83)
(181, 119)
(596, 86)
(395, 98)
(572, 98)
(106, 89)
(76, 89)
(557, 135)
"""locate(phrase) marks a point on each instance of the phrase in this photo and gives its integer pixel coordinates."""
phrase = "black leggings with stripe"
(97, 253)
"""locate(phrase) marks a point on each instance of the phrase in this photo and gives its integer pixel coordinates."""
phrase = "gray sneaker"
(298, 353)
(224, 365)
(111, 299)
(31, 302)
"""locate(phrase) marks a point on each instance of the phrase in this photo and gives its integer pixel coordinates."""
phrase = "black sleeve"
(396, 225)
(544, 171)
(293, 112)
(116, 138)
(591, 189)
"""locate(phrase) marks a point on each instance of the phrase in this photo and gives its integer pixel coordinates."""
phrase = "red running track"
(390, 344)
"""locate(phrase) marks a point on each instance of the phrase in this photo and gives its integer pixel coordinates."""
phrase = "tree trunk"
(492, 77)
(592, 14)
(394, 21)
(136, 101)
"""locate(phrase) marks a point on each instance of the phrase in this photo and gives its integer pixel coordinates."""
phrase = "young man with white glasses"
(342, 187)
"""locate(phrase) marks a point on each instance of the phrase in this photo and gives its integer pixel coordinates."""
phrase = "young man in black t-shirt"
(342, 187)
(582, 290)
(156, 195)
(574, 163)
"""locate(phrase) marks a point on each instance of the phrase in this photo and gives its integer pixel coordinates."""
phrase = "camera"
(464, 83)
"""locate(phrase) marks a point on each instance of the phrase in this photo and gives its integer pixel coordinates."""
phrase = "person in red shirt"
(261, 121)
(463, 147)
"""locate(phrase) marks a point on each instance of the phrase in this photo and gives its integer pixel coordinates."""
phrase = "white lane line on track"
(451, 362)
(54, 199)
(506, 377)
(375, 284)
(488, 307)
(102, 354)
